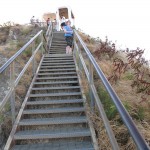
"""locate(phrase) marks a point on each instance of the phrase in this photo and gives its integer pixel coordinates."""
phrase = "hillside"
(11, 40)
(115, 66)
(128, 84)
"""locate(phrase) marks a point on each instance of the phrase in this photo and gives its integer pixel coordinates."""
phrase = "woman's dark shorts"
(69, 40)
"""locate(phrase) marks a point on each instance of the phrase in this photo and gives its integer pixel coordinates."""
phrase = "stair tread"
(67, 66)
(67, 145)
(46, 102)
(57, 55)
(59, 58)
(68, 77)
(60, 73)
(51, 61)
(61, 82)
(57, 49)
(52, 64)
(57, 88)
(50, 121)
(59, 46)
(69, 69)
(57, 52)
(54, 133)
(55, 94)
(54, 110)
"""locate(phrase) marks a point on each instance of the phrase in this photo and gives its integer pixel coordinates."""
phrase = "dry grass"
(138, 110)
(7, 50)
(106, 66)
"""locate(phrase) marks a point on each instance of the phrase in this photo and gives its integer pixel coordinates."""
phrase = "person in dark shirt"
(48, 22)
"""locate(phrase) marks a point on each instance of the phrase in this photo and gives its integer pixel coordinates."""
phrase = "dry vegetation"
(15, 37)
(108, 59)
(129, 75)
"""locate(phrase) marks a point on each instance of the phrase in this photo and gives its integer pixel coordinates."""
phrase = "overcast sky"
(126, 21)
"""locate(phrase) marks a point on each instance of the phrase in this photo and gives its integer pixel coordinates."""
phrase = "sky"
(125, 21)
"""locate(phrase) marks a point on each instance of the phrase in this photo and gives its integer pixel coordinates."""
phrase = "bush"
(28, 52)
(3, 39)
(128, 76)
(20, 44)
(109, 107)
(26, 31)
(140, 113)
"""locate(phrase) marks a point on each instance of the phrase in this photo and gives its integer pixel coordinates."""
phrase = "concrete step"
(63, 145)
(57, 61)
(65, 66)
(55, 78)
(53, 56)
(48, 134)
(63, 52)
(53, 121)
(58, 44)
(58, 58)
(59, 64)
(57, 49)
(58, 70)
(54, 83)
(55, 94)
(55, 102)
(57, 74)
(54, 110)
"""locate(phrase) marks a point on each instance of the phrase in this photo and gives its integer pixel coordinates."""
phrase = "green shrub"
(27, 52)
(26, 31)
(128, 76)
(20, 44)
(37, 41)
(140, 113)
(3, 39)
(1, 118)
(109, 107)
(127, 106)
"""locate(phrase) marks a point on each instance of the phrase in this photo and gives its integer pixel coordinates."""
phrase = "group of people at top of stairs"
(55, 23)
(35, 21)
(66, 27)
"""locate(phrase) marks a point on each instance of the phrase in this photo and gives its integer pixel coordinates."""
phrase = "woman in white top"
(63, 19)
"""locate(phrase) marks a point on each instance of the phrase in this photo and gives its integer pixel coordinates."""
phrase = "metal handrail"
(48, 30)
(137, 137)
(14, 81)
(49, 35)
(19, 52)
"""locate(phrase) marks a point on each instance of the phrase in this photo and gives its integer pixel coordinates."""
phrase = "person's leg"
(67, 49)
(70, 50)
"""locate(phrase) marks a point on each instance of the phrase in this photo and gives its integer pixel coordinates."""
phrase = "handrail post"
(75, 50)
(42, 49)
(50, 36)
(79, 61)
(12, 84)
(33, 61)
(91, 83)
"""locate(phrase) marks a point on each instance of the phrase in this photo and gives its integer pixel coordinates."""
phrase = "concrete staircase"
(58, 45)
(54, 117)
